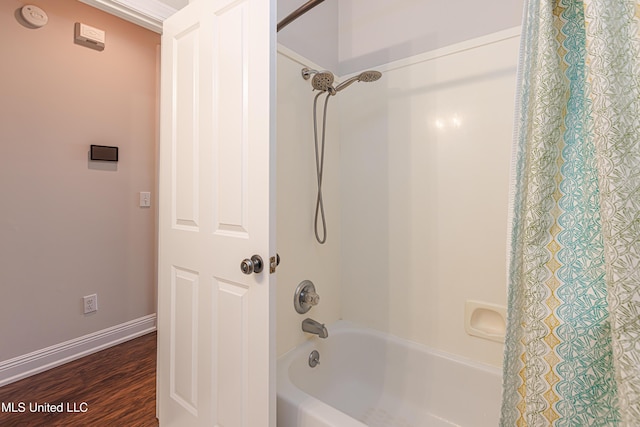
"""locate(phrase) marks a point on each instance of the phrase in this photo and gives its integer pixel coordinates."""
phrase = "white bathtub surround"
(366, 377)
(302, 257)
(418, 150)
(425, 171)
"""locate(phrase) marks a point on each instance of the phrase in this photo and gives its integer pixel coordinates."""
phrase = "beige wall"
(425, 157)
(68, 227)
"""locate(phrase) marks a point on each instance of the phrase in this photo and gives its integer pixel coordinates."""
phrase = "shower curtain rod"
(298, 12)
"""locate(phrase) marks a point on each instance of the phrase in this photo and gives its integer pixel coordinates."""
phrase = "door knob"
(252, 265)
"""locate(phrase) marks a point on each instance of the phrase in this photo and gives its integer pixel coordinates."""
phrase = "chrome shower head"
(365, 76)
(369, 76)
(322, 80)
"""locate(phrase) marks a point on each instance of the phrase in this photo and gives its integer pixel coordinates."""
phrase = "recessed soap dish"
(484, 320)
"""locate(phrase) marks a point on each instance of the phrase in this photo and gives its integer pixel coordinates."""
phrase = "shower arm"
(298, 12)
(346, 84)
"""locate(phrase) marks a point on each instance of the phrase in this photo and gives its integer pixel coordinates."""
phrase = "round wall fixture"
(34, 15)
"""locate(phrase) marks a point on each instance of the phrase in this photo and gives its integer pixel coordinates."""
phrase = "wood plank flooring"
(117, 386)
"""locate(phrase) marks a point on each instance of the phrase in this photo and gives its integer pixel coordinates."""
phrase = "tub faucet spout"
(313, 327)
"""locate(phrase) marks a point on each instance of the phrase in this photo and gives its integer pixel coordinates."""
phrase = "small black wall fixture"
(104, 153)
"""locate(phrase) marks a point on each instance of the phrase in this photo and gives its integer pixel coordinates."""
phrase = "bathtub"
(368, 378)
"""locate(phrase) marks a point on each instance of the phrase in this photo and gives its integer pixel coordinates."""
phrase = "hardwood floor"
(114, 387)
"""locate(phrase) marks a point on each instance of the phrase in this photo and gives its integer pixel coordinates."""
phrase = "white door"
(216, 329)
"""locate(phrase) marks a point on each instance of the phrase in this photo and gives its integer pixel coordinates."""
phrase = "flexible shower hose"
(320, 166)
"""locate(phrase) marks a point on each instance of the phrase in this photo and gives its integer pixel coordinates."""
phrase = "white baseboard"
(41, 360)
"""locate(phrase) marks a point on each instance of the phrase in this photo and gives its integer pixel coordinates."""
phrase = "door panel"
(216, 330)
(184, 318)
(231, 109)
(185, 142)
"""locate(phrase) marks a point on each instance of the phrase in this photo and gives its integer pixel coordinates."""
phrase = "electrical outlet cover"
(90, 303)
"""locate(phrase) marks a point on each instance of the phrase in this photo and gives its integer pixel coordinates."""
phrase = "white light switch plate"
(145, 199)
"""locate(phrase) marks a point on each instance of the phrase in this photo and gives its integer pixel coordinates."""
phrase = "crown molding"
(147, 13)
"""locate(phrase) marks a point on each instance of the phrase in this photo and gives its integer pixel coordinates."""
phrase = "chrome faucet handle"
(310, 297)
(305, 297)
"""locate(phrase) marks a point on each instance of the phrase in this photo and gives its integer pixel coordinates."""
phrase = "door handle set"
(256, 265)
(252, 265)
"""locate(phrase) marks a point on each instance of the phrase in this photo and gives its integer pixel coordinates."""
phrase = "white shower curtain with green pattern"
(572, 351)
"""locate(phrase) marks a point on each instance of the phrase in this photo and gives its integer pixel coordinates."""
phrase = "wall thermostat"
(104, 153)
(34, 15)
